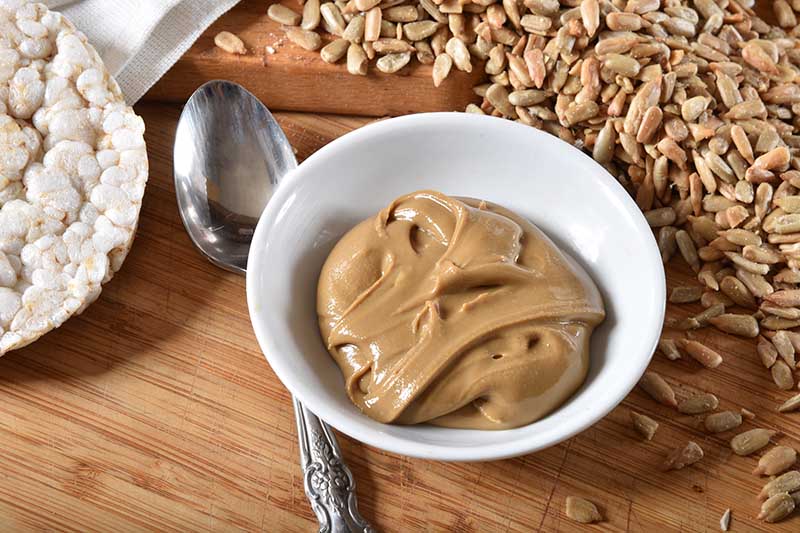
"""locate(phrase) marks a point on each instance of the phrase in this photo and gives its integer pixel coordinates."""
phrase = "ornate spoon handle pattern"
(329, 484)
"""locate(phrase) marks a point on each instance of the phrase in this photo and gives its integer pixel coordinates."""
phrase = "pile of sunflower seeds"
(73, 168)
(691, 104)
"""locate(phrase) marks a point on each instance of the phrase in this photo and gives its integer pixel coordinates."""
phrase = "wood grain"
(155, 410)
(293, 79)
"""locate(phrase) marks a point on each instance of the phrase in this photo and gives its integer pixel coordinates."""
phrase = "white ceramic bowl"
(560, 189)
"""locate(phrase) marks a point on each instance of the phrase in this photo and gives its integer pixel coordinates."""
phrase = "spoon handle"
(329, 484)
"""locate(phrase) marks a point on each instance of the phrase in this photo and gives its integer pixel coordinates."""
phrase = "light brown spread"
(456, 312)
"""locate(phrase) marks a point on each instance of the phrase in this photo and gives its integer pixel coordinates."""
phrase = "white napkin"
(139, 40)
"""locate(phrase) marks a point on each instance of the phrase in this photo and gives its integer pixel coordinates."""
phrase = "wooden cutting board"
(288, 78)
(155, 410)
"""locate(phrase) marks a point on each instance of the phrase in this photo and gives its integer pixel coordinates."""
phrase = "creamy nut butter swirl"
(456, 312)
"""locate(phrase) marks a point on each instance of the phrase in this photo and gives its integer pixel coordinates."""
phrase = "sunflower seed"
(669, 349)
(713, 298)
(725, 521)
(441, 69)
(698, 404)
(777, 323)
(582, 510)
(417, 31)
(473, 109)
(651, 121)
(334, 51)
(784, 14)
(644, 425)
(333, 18)
(788, 482)
(776, 158)
(736, 291)
(456, 49)
(751, 441)
(701, 353)
(373, 25)
(776, 461)
(658, 389)
(761, 254)
(230, 42)
(401, 14)
(792, 404)
(580, 112)
(750, 266)
(687, 249)
(735, 324)
(386, 45)
(527, 97)
(785, 347)
(683, 456)
(756, 284)
(766, 352)
(391, 63)
(305, 39)
(693, 108)
(685, 294)
(623, 65)
(782, 375)
(283, 15)
(785, 298)
(356, 60)
(776, 508)
(311, 15)
(498, 97)
(723, 421)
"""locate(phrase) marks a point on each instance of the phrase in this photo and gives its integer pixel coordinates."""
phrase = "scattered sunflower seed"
(391, 63)
(751, 441)
(283, 15)
(742, 325)
(766, 352)
(776, 508)
(658, 389)
(776, 461)
(644, 425)
(306, 39)
(230, 42)
(788, 482)
(792, 404)
(725, 521)
(582, 510)
(683, 456)
(782, 375)
(334, 51)
(698, 404)
(685, 294)
(701, 353)
(669, 348)
(723, 421)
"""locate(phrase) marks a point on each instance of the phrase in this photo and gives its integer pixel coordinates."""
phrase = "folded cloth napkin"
(139, 40)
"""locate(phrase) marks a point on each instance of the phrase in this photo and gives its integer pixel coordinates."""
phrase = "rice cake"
(73, 169)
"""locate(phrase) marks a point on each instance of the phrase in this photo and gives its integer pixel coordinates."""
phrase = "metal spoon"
(229, 156)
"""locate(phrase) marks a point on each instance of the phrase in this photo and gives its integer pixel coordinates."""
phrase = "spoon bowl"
(229, 155)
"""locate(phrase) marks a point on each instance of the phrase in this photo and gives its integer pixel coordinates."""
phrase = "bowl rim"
(413, 448)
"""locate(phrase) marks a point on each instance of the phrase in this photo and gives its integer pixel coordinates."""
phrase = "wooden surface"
(155, 411)
(293, 79)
